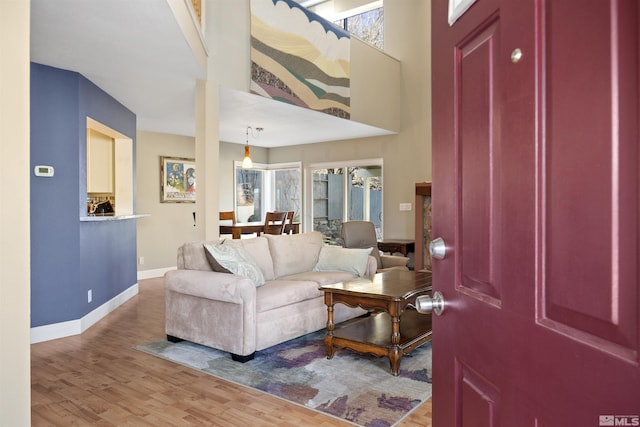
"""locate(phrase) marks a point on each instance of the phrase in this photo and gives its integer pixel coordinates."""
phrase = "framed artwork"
(177, 180)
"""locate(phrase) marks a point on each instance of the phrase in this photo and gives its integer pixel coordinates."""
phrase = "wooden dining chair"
(274, 222)
(228, 215)
(290, 215)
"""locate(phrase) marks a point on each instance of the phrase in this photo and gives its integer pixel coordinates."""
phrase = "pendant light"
(247, 163)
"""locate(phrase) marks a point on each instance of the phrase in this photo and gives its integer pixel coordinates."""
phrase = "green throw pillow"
(335, 258)
(234, 259)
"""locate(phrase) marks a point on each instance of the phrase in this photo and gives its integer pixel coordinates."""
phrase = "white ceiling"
(135, 51)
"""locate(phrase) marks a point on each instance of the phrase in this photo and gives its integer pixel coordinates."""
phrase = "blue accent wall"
(69, 257)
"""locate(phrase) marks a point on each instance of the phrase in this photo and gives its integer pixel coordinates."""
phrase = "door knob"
(437, 248)
(426, 304)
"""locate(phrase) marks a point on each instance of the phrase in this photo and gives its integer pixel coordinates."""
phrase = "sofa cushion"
(258, 248)
(191, 256)
(335, 258)
(279, 293)
(235, 259)
(294, 253)
(320, 277)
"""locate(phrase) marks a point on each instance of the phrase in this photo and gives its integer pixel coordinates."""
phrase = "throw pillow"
(335, 258)
(295, 253)
(234, 259)
(215, 265)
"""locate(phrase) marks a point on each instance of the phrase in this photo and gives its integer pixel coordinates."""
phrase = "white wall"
(229, 45)
(375, 96)
(169, 224)
(15, 358)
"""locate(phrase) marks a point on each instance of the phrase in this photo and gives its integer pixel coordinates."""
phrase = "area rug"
(354, 387)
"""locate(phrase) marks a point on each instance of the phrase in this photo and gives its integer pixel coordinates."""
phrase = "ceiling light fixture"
(247, 163)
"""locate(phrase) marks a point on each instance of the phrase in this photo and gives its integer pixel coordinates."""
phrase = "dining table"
(239, 228)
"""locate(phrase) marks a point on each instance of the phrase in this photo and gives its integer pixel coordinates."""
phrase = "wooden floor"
(99, 379)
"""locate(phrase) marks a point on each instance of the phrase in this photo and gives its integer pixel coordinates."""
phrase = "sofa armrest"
(389, 261)
(214, 309)
(211, 285)
(372, 266)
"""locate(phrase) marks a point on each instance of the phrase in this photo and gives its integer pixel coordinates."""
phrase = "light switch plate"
(405, 206)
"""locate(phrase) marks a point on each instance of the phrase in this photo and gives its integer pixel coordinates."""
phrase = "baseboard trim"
(78, 326)
(152, 274)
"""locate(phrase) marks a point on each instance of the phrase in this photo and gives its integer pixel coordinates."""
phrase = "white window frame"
(268, 183)
(307, 194)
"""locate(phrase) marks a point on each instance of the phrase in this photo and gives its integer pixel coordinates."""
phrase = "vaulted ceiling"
(135, 51)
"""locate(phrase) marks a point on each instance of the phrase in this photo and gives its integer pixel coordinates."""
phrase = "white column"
(207, 157)
(15, 356)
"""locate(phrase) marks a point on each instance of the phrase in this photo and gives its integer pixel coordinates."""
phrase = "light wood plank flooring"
(98, 379)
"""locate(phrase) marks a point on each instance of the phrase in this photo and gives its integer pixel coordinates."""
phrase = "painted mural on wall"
(299, 57)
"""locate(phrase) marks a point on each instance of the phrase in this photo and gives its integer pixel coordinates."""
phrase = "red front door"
(536, 194)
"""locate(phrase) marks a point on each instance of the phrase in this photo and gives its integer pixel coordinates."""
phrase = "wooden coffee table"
(394, 328)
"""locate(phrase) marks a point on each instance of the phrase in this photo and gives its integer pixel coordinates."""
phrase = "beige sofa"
(229, 312)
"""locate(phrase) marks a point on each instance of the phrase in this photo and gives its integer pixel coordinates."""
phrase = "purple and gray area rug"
(355, 387)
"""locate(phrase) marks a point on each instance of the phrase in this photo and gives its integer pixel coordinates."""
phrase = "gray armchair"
(362, 235)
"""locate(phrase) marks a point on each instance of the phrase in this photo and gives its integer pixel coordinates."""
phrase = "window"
(249, 191)
(267, 188)
(287, 190)
(367, 26)
(350, 191)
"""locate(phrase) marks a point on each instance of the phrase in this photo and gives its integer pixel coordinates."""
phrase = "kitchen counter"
(101, 217)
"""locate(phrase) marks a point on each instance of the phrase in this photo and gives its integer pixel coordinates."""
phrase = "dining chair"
(290, 215)
(228, 215)
(274, 222)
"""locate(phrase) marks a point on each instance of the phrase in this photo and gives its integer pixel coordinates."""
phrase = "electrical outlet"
(141, 260)
(89, 295)
(405, 206)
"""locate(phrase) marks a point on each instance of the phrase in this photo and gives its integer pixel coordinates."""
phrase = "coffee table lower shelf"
(372, 335)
